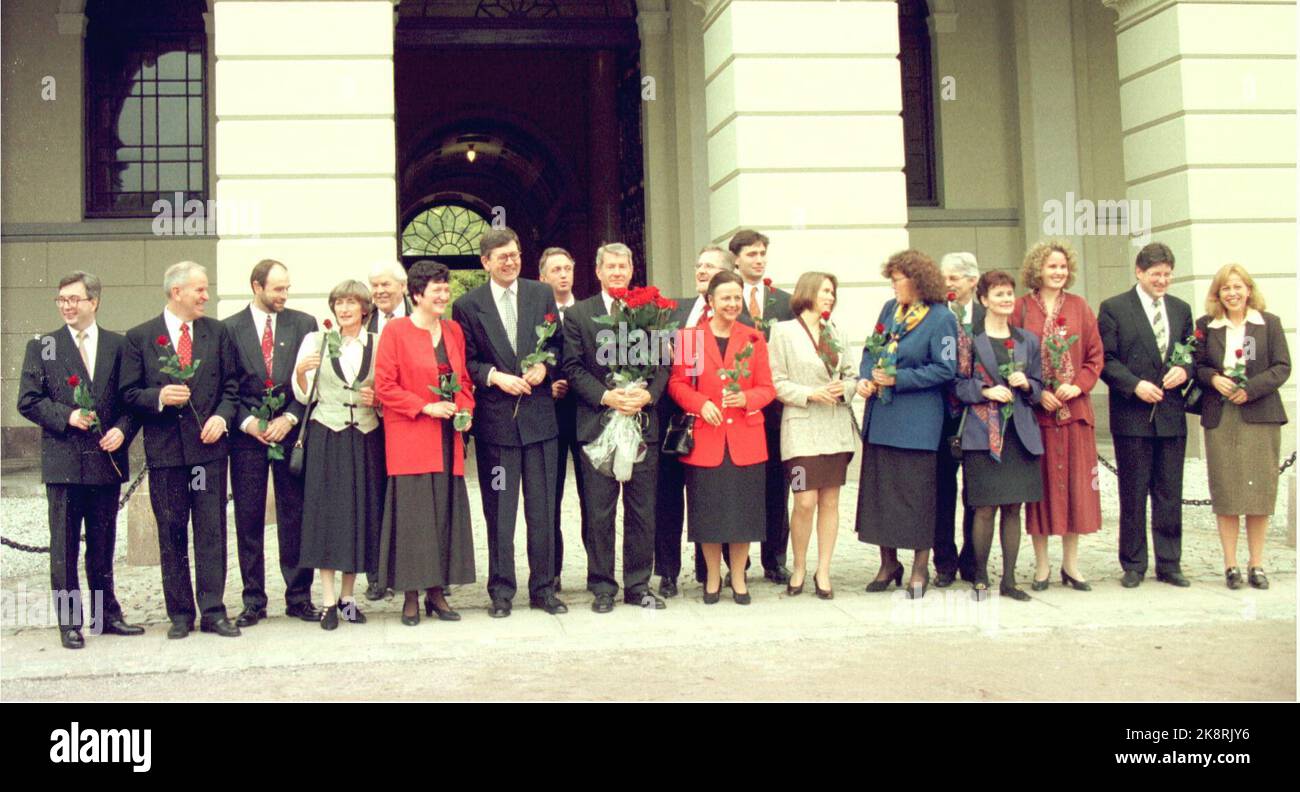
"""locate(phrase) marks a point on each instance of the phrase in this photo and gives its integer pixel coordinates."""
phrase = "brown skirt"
(815, 472)
(1242, 461)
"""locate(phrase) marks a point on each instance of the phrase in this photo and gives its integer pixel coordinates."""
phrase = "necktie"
(1158, 324)
(81, 348)
(562, 310)
(508, 317)
(755, 310)
(185, 347)
(268, 347)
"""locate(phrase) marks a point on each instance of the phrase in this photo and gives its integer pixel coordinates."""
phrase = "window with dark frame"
(918, 103)
(146, 106)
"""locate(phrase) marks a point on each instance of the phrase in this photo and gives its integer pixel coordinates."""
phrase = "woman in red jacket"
(725, 471)
(425, 542)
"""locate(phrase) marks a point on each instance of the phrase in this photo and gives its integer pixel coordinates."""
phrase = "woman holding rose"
(426, 541)
(725, 470)
(1072, 359)
(1242, 359)
(343, 500)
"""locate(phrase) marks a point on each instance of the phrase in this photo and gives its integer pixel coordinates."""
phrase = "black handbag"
(679, 440)
(954, 442)
(1192, 401)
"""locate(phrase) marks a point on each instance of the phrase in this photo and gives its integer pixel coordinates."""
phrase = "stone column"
(805, 139)
(663, 265)
(604, 150)
(305, 152)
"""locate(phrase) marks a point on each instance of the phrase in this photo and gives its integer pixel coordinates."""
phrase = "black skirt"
(725, 504)
(426, 541)
(1018, 478)
(343, 498)
(896, 497)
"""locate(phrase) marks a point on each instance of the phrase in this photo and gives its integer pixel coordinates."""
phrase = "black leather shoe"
(550, 603)
(350, 612)
(117, 626)
(1256, 577)
(1233, 576)
(500, 609)
(740, 599)
(779, 575)
(1131, 579)
(250, 616)
(556, 585)
(1077, 585)
(71, 639)
(329, 618)
(303, 610)
(221, 627)
(821, 592)
(668, 587)
(645, 599)
(883, 585)
(1173, 579)
(604, 603)
(374, 592)
(179, 630)
(712, 598)
(1014, 593)
(447, 614)
(411, 621)
(944, 579)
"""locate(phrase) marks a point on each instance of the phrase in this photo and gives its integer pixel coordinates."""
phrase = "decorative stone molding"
(943, 16)
(71, 24)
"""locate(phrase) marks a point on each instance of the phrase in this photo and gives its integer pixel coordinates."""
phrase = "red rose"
(767, 282)
(1200, 336)
(952, 296)
(617, 294)
(444, 368)
(1009, 344)
(328, 324)
(826, 316)
(269, 384)
(550, 317)
(163, 341)
(74, 380)
(1240, 353)
(1060, 321)
(880, 328)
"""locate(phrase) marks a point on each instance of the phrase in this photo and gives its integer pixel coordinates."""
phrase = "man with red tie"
(267, 336)
(185, 421)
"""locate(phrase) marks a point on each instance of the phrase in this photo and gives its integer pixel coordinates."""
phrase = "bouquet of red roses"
(633, 347)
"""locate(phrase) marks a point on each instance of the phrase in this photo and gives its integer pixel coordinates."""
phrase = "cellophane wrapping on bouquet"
(621, 443)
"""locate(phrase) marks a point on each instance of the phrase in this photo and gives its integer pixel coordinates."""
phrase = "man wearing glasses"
(83, 453)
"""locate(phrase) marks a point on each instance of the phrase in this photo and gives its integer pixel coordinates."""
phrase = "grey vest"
(338, 404)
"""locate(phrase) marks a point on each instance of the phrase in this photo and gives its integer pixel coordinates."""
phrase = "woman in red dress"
(1071, 503)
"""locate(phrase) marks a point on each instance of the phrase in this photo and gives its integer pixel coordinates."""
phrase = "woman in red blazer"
(725, 471)
(425, 542)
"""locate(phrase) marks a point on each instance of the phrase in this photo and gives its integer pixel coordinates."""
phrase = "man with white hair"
(960, 272)
(185, 423)
(389, 300)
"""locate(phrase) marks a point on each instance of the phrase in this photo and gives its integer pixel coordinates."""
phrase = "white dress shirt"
(497, 291)
(1149, 307)
(398, 312)
(696, 311)
(92, 345)
(750, 288)
(564, 306)
(174, 323)
(260, 318)
(609, 301)
(350, 353)
(1234, 337)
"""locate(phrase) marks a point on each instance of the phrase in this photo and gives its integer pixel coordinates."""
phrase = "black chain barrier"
(1106, 463)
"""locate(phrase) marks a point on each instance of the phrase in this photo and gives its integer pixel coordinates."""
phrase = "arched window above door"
(444, 230)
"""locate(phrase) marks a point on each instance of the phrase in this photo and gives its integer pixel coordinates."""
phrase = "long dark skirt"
(896, 497)
(426, 541)
(1017, 478)
(725, 503)
(343, 499)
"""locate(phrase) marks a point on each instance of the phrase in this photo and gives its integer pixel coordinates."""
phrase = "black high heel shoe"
(794, 591)
(431, 608)
(350, 612)
(411, 621)
(1077, 585)
(883, 585)
(1013, 592)
(714, 597)
(826, 593)
(1041, 585)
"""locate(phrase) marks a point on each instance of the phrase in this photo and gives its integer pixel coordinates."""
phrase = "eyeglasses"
(70, 302)
(504, 257)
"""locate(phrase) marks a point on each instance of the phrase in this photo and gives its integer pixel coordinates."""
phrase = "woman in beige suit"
(814, 382)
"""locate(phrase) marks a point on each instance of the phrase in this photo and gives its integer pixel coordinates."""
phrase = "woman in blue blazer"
(903, 382)
(1000, 456)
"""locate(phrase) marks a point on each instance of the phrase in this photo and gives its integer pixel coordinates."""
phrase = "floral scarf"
(1065, 373)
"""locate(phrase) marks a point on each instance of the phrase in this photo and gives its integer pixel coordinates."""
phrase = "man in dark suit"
(670, 488)
(961, 272)
(586, 349)
(267, 336)
(555, 269)
(185, 425)
(1138, 331)
(389, 302)
(83, 467)
(765, 305)
(514, 419)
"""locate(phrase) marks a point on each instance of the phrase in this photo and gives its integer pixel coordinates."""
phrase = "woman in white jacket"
(814, 382)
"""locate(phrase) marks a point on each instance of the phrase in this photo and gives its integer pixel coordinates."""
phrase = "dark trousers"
(566, 445)
(778, 497)
(670, 516)
(248, 468)
(1154, 466)
(946, 558)
(501, 470)
(180, 495)
(372, 531)
(638, 526)
(70, 504)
